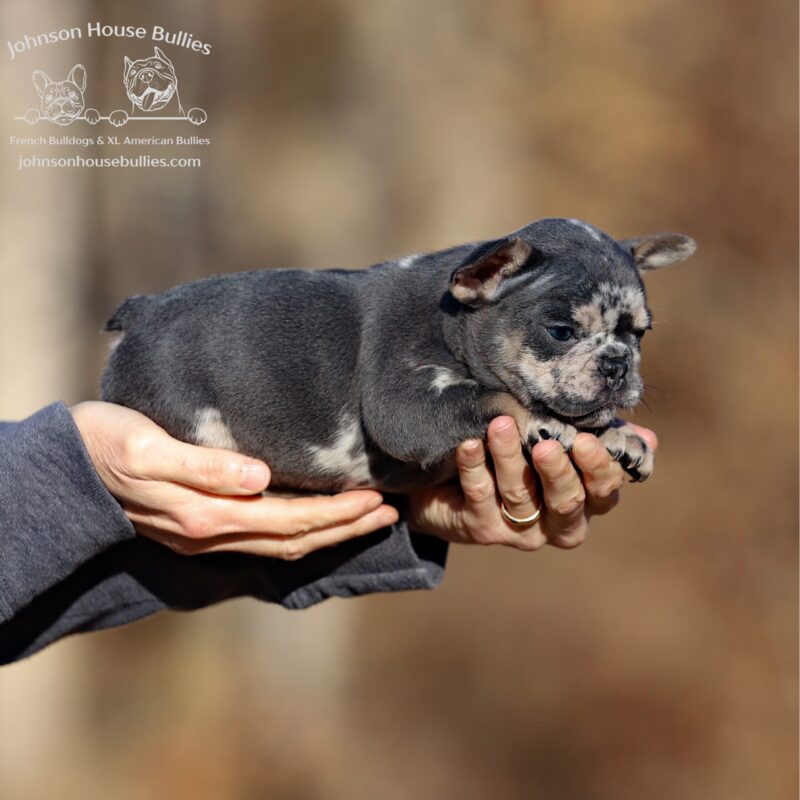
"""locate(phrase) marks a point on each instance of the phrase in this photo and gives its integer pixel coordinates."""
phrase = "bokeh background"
(659, 659)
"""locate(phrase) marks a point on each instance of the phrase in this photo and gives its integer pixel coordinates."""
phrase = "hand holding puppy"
(469, 510)
(200, 500)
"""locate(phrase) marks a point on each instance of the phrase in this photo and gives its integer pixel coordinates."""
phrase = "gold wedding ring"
(519, 520)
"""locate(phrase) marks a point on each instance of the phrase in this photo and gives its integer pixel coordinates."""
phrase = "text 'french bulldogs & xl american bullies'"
(371, 378)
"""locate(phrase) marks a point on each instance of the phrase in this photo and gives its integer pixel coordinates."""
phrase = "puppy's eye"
(560, 332)
(639, 334)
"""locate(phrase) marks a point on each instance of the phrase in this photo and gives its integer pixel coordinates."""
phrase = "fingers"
(181, 494)
(646, 434)
(289, 548)
(602, 475)
(477, 482)
(480, 518)
(197, 516)
(126, 447)
(470, 512)
(290, 517)
(564, 495)
(162, 458)
(515, 480)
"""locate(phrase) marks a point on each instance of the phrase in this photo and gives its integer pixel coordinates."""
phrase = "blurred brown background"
(658, 660)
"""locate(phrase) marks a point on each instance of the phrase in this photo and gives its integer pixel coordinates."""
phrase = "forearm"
(55, 513)
(138, 578)
(70, 560)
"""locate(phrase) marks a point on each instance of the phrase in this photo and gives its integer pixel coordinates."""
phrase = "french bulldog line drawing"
(151, 85)
(62, 102)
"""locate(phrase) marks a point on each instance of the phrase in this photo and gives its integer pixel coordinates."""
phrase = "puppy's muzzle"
(613, 369)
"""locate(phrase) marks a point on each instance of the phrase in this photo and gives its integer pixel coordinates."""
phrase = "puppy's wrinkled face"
(150, 82)
(558, 311)
(61, 101)
(579, 353)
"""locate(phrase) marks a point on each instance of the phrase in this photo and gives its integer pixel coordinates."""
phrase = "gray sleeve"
(71, 561)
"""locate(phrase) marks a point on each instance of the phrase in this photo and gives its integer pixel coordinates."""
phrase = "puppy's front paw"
(32, 116)
(92, 116)
(632, 452)
(118, 118)
(541, 428)
(197, 116)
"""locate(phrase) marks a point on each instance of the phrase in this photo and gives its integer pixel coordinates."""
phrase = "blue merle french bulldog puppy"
(341, 379)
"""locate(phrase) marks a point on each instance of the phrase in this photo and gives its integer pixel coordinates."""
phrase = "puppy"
(341, 379)
(61, 101)
(151, 84)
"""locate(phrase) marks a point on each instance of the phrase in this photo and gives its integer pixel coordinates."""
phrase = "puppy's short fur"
(341, 379)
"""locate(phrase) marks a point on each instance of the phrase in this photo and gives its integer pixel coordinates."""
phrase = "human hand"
(200, 500)
(468, 510)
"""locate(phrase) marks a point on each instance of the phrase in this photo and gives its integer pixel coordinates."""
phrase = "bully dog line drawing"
(62, 102)
(150, 83)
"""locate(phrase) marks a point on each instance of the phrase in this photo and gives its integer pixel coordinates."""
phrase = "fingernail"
(471, 446)
(254, 476)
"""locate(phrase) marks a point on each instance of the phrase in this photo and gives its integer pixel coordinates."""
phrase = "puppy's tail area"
(128, 314)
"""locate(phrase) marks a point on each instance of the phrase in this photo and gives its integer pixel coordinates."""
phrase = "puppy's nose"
(145, 76)
(613, 369)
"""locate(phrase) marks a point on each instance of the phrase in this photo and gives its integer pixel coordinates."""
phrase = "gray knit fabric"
(71, 561)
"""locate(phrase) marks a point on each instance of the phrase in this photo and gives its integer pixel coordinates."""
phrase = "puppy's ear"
(128, 65)
(479, 280)
(77, 75)
(659, 249)
(41, 80)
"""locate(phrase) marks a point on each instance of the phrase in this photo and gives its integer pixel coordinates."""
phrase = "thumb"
(212, 470)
